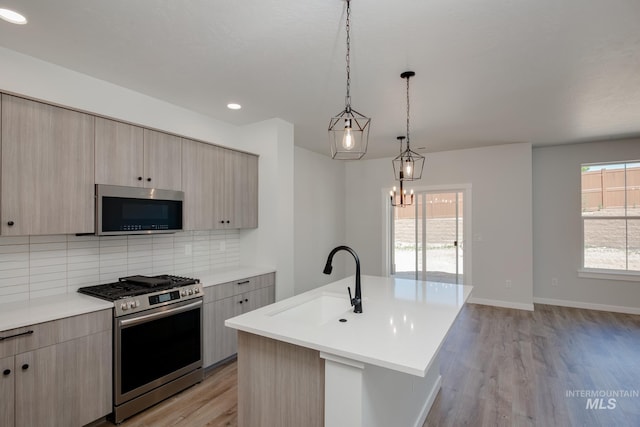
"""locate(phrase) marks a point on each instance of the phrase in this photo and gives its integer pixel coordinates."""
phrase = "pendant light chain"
(409, 164)
(348, 58)
(408, 112)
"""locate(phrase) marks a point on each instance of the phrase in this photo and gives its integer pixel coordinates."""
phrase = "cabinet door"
(7, 376)
(208, 334)
(246, 192)
(225, 339)
(119, 151)
(220, 189)
(64, 384)
(258, 298)
(162, 160)
(47, 169)
(38, 400)
(93, 379)
(198, 179)
(241, 190)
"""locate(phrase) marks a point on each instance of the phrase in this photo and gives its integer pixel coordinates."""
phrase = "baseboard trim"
(587, 305)
(499, 303)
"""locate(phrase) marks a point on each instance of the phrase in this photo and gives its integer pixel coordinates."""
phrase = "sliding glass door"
(427, 238)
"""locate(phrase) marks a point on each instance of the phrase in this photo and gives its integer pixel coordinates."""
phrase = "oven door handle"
(148, 317)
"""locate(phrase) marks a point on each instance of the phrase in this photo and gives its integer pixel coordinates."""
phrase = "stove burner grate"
(140, 285)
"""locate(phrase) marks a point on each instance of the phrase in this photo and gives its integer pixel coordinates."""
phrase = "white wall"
(319, 223)
(31, 77)
(501, 181)
(557, 242)
(271, 244)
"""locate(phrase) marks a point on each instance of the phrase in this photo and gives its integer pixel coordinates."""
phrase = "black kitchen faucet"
(356, 302)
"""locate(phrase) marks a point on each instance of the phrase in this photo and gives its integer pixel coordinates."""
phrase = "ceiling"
(487, 72)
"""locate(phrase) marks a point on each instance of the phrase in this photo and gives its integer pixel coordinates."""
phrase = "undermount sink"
(319, 310)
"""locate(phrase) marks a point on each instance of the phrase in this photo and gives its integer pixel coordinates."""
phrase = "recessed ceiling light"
(233, 106)
(13, 17)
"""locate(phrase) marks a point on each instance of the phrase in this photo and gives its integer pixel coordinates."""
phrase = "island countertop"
(402, 327)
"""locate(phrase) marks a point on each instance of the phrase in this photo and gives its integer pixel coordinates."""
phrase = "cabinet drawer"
(40, 335)
(229, 289)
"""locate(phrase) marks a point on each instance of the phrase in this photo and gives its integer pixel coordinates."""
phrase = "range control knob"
(183, 293)
(189, 291)
(196, 291)
(124, 306)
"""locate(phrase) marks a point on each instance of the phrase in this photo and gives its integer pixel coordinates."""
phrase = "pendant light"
(349, 130)
(409, 164)
(401, 199)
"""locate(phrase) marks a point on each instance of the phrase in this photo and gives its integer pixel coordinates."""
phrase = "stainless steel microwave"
(134, 210)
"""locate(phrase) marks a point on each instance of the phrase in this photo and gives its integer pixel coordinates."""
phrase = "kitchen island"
(309, 360)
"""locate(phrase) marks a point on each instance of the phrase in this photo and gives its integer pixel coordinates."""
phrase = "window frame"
(607, 273)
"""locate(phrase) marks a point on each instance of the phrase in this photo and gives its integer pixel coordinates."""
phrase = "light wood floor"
(500, 367)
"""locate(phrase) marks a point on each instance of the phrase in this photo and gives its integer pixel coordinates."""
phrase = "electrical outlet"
(187, 249)
(554, 282)
(223, 246)
(508, 284)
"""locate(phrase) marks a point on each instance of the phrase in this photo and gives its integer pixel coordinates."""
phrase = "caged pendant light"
(401, 199)
(349, 130)
(409, 164)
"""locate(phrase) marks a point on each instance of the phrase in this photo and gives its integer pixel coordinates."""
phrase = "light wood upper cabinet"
(221, 187)
(162, 160)
(131, 156)
(239, 177)
(47, 169)
(198, 166)
(51, 157)
(119, 153)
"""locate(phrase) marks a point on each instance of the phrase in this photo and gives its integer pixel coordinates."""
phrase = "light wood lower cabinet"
(228, 300)
(7, 400)
(64, 378)
(279, 384)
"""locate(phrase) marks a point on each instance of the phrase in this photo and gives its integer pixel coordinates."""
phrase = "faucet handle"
(350, 298)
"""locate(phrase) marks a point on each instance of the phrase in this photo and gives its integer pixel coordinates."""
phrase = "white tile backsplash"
(35, 266)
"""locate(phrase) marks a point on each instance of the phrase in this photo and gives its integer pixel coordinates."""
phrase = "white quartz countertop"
(39, 310)
(402, 327)
(224, 275)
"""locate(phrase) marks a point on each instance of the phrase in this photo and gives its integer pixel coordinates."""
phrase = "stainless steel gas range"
(157, 339)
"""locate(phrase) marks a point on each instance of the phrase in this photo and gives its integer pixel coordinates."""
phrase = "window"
(611, 217)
